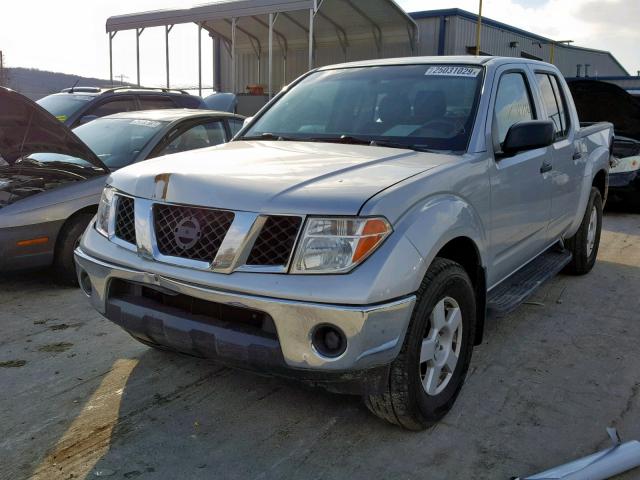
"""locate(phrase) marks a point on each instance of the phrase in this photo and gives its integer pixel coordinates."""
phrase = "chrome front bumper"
(374, 333)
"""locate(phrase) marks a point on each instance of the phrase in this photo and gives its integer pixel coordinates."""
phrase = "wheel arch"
(448, 226)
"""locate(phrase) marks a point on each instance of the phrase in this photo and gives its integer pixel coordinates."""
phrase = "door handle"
(577, 155)
(546, 167)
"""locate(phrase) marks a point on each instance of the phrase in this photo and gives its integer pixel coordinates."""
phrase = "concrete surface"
(81, 399)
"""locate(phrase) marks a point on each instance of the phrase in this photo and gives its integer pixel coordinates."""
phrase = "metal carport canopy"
(256, 23)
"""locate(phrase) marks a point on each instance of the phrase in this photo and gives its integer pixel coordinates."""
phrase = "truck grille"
(275, 242)
(125, 220)
(191, 233)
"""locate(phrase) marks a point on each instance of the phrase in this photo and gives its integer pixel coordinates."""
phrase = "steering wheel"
(443, 125)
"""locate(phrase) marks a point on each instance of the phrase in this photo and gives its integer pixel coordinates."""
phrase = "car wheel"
(585, 243)
(426, 377)
(68, 239)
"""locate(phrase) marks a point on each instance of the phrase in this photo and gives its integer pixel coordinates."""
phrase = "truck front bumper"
(257, 332)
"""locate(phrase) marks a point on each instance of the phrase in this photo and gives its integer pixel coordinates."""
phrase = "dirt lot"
(81, 399)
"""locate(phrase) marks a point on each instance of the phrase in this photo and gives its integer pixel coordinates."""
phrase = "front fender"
(435, 221)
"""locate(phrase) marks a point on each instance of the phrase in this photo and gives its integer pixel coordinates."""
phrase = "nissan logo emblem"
(187, 233)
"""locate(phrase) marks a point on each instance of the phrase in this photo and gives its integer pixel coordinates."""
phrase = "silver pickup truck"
(359, 229)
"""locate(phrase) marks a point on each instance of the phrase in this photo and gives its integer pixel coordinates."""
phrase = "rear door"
(520, 188)
(567, 161)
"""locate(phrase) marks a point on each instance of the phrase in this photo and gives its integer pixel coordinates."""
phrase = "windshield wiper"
(268, 136)
(352, 140)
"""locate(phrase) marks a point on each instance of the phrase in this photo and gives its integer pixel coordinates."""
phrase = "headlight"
(336, 245)
(105, 211)
(625, 165)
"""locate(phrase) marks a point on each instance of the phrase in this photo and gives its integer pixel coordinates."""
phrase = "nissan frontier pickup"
(360, 228)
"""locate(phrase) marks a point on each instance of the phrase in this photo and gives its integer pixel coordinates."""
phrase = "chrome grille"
(125, 228)
(275, 241)
(188, 232)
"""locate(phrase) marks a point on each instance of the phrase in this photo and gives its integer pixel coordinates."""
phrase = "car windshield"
(63, 105)
(410, 106)
(116, 141)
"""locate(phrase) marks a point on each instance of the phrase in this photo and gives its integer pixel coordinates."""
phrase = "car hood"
(26, 128)
(276, 176)
(598, 101)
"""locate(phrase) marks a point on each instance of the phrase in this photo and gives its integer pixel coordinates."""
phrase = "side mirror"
(87, 119)
(528, 135)
(246, 121)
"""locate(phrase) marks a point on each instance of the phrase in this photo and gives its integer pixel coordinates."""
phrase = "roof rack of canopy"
(256, 24)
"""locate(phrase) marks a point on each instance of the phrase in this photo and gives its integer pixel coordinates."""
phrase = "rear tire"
(422, 385)
(585, 243)
(68, 239)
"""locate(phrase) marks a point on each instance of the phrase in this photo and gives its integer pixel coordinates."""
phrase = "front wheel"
(426, 377)
(585, 243)
(68, 240)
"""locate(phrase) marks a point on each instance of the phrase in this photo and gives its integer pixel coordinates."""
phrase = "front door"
(520, 184)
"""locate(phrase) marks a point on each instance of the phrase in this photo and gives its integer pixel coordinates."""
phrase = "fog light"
(329, 341)
(85, 283)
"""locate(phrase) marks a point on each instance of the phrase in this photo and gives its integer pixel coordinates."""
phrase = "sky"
(69, 35)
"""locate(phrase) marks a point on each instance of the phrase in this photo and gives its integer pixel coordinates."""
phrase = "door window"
(117, 105)
(198, 136)
(513, 104)
(235, 124)
(554, 103)
(151, 102)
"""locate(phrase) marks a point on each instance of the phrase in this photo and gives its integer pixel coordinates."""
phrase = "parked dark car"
(78, 105)
(51, 177)
(602, 101)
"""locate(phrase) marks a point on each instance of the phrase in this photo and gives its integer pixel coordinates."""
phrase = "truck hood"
(26, 128)
(276, 176)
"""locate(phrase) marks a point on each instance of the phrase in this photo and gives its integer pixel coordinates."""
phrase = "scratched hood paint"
(276, 176)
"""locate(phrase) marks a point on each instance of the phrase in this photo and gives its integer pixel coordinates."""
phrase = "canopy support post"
(271, 20)
(138, 33)
(234, 22)
(213, 63)
(200, 60)
(167, 30)
(312, 12)
(111, 35)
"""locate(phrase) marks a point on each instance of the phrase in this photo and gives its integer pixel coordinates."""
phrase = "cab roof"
(452, 59)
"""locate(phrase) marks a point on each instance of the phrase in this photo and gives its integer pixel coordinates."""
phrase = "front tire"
(69, 238)
(585, 243)
(426, 377)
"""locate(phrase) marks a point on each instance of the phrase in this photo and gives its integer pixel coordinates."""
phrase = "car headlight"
(626, 165)
(336, 245)
(105, 211)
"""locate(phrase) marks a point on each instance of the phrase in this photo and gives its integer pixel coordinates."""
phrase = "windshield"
(63, 105)
(415, 106)
(116, 141)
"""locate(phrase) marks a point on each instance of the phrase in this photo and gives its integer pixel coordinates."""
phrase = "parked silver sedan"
(51, 177)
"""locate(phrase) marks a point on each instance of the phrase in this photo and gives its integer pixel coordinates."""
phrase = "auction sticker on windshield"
(453, 71)
(145, 123)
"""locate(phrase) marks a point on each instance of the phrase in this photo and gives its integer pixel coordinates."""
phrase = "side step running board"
(514, 290)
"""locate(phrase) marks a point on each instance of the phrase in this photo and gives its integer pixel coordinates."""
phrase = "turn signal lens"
(336, 245)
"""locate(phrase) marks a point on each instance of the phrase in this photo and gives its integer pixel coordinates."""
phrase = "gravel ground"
(81, 399)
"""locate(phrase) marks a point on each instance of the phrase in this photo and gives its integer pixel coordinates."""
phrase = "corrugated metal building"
(441, 32)
(307, 33)
(453, 32)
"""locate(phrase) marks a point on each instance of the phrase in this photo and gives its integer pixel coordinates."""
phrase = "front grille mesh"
(191, 233)
(125, 220)
(275, 241)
